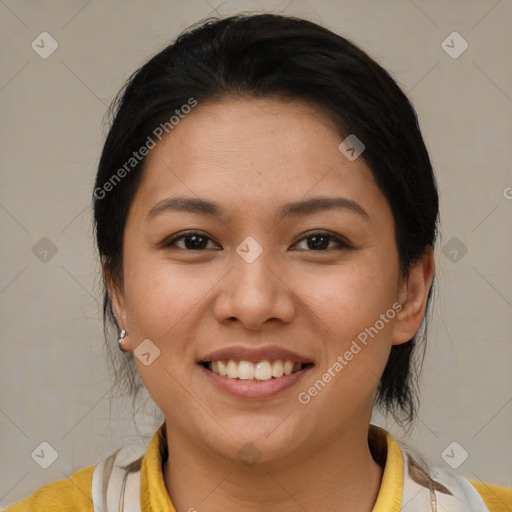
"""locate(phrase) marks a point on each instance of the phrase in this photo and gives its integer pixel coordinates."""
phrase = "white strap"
(114, 487)
(132, 493)
(417, 497)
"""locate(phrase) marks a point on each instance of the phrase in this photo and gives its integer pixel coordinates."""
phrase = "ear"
(117, 297)
(413, 294)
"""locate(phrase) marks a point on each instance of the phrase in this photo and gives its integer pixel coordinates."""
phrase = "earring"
(120, 339)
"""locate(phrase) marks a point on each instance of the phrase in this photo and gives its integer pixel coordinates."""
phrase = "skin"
(251, 156)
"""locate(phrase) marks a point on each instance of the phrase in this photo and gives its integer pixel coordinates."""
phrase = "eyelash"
(340, 241)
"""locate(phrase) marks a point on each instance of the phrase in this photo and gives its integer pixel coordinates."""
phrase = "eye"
(192, 241)
(320, 241)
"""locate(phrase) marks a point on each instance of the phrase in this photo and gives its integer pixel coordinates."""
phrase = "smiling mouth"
(264, 370)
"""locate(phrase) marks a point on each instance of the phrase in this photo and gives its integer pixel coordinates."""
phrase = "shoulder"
(71, 494)
(76, 493)
(448, 489)
(493, 498)
(496, 498)
(452, 489)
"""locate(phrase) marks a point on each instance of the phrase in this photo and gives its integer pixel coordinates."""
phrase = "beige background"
(54, 379)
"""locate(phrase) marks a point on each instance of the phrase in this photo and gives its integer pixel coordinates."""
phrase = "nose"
(255, 294)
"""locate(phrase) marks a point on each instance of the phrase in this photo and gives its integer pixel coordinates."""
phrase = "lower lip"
(254, 388)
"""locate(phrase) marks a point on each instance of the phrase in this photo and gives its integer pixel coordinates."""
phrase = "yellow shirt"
(74, 494)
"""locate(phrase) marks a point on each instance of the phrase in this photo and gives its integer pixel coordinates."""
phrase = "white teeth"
(277, 369)
(222, 368)
(288, 367)
(247, 370)
(232, 369)
(263, 371)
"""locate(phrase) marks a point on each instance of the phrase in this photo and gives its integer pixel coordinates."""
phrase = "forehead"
(255, 151)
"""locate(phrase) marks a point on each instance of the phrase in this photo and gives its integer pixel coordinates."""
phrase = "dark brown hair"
(285, 57)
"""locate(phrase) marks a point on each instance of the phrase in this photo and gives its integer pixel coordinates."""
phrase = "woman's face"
(292, 259)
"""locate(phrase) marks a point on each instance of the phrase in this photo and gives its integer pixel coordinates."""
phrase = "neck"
(341, 475)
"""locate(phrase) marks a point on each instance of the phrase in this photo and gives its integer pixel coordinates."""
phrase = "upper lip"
(255, 355)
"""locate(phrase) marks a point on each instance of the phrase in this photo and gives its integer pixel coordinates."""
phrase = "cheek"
(160, 302)
(349, 297)
(161, 297)
(348, 304)
(151, 296)
(349, 301)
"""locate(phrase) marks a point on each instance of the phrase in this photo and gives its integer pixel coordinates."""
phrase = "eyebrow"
(302, 207)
